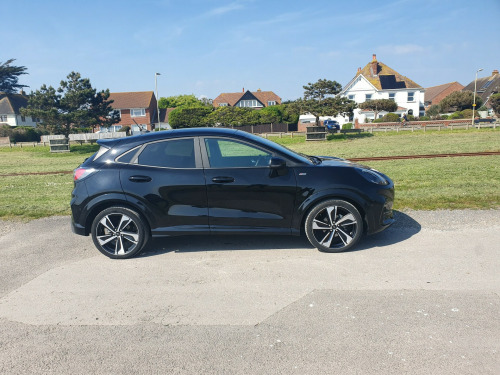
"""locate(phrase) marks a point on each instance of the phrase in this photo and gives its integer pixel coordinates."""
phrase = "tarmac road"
(420, 298)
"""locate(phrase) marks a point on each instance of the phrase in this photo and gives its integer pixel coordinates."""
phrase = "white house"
(10, 104)
(377, 81)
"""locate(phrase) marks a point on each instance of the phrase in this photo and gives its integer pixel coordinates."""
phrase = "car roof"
(166, 134)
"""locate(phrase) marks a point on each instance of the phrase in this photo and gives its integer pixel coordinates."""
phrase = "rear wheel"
(334, 226)
(119, 232)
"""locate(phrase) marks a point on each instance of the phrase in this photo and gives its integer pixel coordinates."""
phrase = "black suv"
(222, 181)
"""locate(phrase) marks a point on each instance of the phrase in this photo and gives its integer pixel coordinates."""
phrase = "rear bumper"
(77, 228)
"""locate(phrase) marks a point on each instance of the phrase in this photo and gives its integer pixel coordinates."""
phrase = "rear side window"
(177, 153)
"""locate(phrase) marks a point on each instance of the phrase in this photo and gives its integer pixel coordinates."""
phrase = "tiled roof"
(432, 92)
(11, 103)
(231, 98)
(125, 100)
(486, 86)
(383, 74)
(164, 113)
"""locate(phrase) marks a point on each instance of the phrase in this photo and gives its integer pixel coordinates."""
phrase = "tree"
(74, 104)
(319, 101)
(378, 105)
(9, 76)
(458, 101)
(432, 111)
(189, 117)
(495, 103)
(184, 101)
(270, 115)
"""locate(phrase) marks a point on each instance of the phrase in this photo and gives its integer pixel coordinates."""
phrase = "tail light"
(80, 173)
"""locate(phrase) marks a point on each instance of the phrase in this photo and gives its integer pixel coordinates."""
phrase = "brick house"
(247, 99)
(485, 87)
(434, 95)
(136, 109)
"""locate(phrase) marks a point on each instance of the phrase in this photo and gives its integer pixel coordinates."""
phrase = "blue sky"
(205, 47)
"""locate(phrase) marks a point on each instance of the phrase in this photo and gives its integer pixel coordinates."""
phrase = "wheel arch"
(350, 197)
(115, 202)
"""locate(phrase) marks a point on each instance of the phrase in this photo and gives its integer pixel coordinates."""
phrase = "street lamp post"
(474, 103)
(157, 99)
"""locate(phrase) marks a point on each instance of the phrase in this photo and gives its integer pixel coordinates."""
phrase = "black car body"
(222, 181)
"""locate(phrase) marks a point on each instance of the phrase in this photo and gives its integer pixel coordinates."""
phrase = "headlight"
(373, 176)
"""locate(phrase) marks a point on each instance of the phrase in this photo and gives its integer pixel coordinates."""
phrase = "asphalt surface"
(420, 298)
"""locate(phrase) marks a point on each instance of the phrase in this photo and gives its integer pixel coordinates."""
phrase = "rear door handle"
(222, 179)
(139, 178)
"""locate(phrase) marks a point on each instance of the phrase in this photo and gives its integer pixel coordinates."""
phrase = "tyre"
(119, 232)
(334, 226)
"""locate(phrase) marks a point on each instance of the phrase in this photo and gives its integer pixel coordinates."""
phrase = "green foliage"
(432, 111)
(467, 113)
(378, 105)
(495, 103)
(189, 117)
(391, 117)
(483, 108)
(183, 101)
(75, 104)
(458, 101)
(9, 76)
(347, 126)
(319, 101)
(424, 118)
(22, 133)
(412, 118)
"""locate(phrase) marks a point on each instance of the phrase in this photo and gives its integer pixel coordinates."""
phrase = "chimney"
(259, 90)
(374, 66)
(359, 70)
(495, 72)
(22, 92)
(243, 90)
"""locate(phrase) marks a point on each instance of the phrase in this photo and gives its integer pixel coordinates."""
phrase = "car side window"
(177, 153)
(224, 153)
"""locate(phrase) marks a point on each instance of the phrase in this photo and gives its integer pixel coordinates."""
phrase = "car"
(202, 181)
(331, 125)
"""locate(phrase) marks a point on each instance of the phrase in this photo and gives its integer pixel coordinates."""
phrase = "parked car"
(222, 181)
(331, 125)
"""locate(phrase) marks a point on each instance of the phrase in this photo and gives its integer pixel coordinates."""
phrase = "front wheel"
(119, 232)
(334, 226)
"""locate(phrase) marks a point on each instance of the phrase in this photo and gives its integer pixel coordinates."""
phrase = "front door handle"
(139, 178)
(222, 180)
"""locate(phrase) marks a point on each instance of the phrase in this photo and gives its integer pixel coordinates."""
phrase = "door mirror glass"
(277, 163)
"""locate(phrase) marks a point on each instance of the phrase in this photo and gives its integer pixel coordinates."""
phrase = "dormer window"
(137, 112)
(222, 104)
(271, 102)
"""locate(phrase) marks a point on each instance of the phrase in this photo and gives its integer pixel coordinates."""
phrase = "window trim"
(143, 110)
(412, 97)
(197, 156)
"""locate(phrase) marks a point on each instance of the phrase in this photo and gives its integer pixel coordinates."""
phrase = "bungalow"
(485, 87)
(434, 95)
(247, 99)
(378, 81)
(10, 105)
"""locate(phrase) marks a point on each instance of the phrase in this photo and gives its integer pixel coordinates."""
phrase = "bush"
(442, 117)
(22, 134)
(467, 113)
(412, 118)
(391, 117)
(347, 126)
(379, 120)
(424, 118)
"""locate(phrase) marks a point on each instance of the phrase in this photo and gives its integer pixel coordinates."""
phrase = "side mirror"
(277, 163)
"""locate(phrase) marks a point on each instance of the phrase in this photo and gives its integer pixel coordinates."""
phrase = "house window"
(271, 102)
(392, 96)
(350, 97)
(222, 104)
(411, 96)
(137, 112)
(23, 119)
(3, 118)
(248, 103)
(368, 97)
(115, 128)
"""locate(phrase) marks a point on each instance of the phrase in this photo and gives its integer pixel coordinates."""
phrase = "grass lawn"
(451, 183)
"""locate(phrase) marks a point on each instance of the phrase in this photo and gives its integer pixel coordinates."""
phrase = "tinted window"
(178, 153)
(223, 153)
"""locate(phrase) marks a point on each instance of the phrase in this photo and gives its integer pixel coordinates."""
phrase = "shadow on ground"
(404, 228)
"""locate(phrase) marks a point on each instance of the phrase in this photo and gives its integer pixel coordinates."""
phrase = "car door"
(244, 194)
(166, 179)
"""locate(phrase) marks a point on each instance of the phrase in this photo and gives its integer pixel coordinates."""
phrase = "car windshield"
(285, 150)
